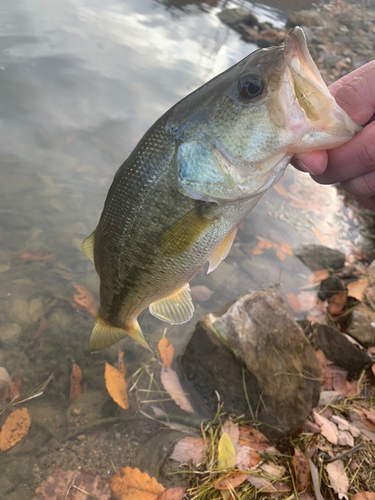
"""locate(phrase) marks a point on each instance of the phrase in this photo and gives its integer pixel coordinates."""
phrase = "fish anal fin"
(222, 251)
(177, 308)
(103, 334)
(88, 246)
(183, 233)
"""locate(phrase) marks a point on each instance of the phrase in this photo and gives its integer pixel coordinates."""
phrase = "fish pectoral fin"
(88, 246)
(177, 308)
(103, 335)
(222, 251)
(183, 233)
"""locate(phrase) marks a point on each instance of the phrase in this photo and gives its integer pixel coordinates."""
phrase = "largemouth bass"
(177, 201)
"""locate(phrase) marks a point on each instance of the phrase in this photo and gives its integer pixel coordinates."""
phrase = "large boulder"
(257, 358)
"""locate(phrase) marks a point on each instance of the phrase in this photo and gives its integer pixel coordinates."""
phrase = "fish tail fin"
(103, 334)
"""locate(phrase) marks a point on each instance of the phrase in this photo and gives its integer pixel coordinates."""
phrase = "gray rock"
(339, 349)
(320, 257)
(308, 18)
(267, 349)
(234, 17)
(362, 325)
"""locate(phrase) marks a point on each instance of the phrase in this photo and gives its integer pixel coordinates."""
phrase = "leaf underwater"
(177, 201)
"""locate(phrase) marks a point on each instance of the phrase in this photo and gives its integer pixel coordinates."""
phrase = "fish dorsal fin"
(103, 335)
(177, 308)
(222, 251)
(88, 246)
(183, 233)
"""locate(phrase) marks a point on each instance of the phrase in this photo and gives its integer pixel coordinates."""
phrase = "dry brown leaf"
(357, 289)
(166, 351)
(338, 478)
(120, 363)
(336, 304)
(301, 470)
(273, 470)
(231, 481)
(85, 299)
(116, 386)
(345, 439)
(231, 428)
(253, 438)
(132, 484)
(327, 428)
(36, 256)
(365, 495)
(280, 254)
(293, 302)
(15, 427)
(286, 248)
(274, 490)
(261, 245)
(201, 293)
(173, 494)
(15, 390)
(279, 188)
(171, 384)
(189, 449)
(315, 476)
(317, 277)
(370, 415)
(75, 383)
(63, 485)
(246, 458)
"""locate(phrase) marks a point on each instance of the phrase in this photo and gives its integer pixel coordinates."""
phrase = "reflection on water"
(80, 82)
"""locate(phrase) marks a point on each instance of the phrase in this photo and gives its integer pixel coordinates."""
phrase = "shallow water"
(80, 83)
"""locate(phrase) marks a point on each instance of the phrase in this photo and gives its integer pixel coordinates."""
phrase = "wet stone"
(255, 332)
(318, 257)
(233, 17)
(338, 349)
(362, 325)
(330, 287)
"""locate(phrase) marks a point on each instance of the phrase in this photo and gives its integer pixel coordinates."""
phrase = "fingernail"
(303, 167)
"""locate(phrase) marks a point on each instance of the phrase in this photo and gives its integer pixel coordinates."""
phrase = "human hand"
(353, 163)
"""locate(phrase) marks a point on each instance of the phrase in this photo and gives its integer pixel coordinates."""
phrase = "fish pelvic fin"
(177, 308)
(88, 246)
(222, 251)
(103, 334)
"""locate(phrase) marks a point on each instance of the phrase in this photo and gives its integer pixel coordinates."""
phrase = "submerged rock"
(310, 18)
(362, 325)
(233, 17)
(338, 349)
(255, 342)
(318, 257)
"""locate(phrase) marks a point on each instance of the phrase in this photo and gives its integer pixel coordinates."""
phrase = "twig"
(346, 454)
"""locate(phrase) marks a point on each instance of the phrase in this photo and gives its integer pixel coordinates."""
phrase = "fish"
(177, 201)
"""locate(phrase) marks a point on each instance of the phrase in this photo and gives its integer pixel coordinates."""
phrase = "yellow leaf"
(166, 350)
(226, 455)
(116, 386)
(16, 426)
(357, 289)
(132, 484)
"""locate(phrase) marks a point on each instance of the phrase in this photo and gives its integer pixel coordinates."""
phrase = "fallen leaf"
(301, 470)
(279, 188)
(172, 385)
(75, 383)
(345, 439)
(166, 351)
(253, 438)
(293, 302)
(63, 485)
(15, 427)
(231, 428)
(344, 425)
(132, 484)
(35, 256)
(85, 299)
(173, 494)
(231, 481)
(189, 449)
(357, 289)
(328, 429)
(120, 363)
(336, 304)
(15, 390)
(226, 454)
(307, 301)
(365, 495)
(261, 245)
(246, 458)
(116, 386)
(338, 479)
(273, 489)
(280, 254)
(42, 325)
(286, 248)
(315, 476)
(273, 470)
(370, 414)
(201, 293)
(4, 375)
(317, 277)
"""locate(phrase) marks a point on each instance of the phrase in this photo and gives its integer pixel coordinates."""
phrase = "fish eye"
(251, 86)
